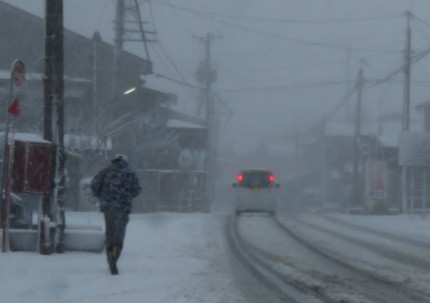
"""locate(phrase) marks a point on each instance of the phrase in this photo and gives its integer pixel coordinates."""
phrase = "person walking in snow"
(115, 186)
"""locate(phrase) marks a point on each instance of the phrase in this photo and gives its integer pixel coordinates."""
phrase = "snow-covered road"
(170, 257)
(394, 248)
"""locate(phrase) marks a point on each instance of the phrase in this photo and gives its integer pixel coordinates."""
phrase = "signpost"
(376, 179)
(17, 77)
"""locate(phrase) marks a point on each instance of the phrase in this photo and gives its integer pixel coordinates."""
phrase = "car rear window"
(251, 179)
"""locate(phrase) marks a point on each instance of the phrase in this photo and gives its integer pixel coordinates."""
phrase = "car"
(255, 191)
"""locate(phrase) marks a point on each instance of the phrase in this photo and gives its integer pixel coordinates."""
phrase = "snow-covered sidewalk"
(167, 258)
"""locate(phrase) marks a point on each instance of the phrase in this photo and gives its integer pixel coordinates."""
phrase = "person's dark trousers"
(116, 224)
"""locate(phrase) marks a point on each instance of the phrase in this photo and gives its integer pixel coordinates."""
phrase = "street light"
(129, 91)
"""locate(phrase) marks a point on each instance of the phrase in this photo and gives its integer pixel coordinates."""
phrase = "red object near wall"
(32, 167)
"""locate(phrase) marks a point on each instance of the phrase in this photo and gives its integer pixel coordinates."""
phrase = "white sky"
(176, 258)
(281, 64)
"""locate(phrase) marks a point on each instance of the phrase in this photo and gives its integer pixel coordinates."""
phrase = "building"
(325, 175)
(102, 117)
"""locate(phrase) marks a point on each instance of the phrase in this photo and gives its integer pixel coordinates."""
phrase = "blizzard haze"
(281, 65)
(283, 68)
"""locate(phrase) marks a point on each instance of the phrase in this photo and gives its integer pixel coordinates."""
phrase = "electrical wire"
(289, 52)
(180, 82)
(341, 102)
(166, 54)
(307, 21)
(420, 20)
(296, 40)
(282, 87)
(414, 59)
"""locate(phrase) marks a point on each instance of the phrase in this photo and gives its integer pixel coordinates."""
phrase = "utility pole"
(135, 10)
(356, 198)
(406, 102)
(128, 28)
(297, 162)
(348, 71)
(96, 41)
(53, 201)
(207, 76)
(323, 139)
(407, 72)
(119, 35)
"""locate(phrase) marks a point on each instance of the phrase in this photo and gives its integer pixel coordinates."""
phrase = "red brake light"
(239, 178)
(272, 178)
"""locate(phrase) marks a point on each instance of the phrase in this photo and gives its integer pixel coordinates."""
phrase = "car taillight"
(239, 178)
(272, 178)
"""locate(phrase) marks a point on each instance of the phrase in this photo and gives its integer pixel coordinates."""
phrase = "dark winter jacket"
(116, 186)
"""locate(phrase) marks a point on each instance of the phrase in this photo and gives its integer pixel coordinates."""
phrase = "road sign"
(18, 72)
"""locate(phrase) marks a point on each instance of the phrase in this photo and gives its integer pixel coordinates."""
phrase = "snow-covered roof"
(5, 75)
(82, 142)
(187, 94)
(29, 137)
(182, 124)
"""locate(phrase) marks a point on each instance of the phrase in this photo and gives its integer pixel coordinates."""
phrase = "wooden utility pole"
(323, 157)
(348, 72)
(128, 28)
(53, 201)
(356, 198)
(207, 76)
(406, 102)
(119, 41)
(297, 166)
(407, 72)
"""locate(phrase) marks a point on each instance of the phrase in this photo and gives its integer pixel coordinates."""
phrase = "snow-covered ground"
(168, 257)
(393, 247)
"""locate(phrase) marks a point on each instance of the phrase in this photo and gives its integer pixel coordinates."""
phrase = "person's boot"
(115, 255)
(112, 253)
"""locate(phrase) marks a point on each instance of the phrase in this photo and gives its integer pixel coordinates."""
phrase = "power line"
(307, 21)
(414, 59)
(280, 66)
(289, 50)
(420, 20)
(341, 102)
(296, 40)
(281, 87)
(307, 42)
(180, 82)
